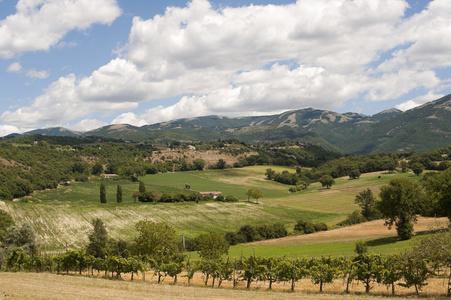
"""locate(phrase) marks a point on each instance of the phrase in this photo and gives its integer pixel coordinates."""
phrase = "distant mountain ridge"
(420, 129)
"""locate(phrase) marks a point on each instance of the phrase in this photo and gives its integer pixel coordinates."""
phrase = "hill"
(420, 129)
(314, 126)
(54, 131)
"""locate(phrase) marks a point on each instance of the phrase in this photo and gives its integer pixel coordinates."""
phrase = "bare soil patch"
(368, 230)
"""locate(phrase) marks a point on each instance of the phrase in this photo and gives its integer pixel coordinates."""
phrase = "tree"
(154, 237)
(404, 165)
(367, 202)
(5, 221)
(399, 205)
(98, 239)
(97, 168)
(270, 174)
(142, 190)
(199, 164)
(119, 194)
(354, 174)
(22, 237)
(211, 245)
(368, 269)
(257, 194)
(135, 195)
(221, 164)
(102, 193)
(326, 181)
(304, 227)
(417, 168)
(249, 193)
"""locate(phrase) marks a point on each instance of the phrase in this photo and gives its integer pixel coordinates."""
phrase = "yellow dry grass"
(368, 230)
(51, 286)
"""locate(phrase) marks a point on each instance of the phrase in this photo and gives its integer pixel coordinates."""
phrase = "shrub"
(231, 199)
(354, 218)
(320, 226)
(304, 227)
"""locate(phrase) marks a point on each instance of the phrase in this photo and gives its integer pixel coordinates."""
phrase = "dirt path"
(368, 230)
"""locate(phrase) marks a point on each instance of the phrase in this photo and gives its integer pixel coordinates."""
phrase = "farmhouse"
(108, 176)
(214, 194)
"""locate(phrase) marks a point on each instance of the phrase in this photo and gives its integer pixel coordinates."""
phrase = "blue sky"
(86, 64)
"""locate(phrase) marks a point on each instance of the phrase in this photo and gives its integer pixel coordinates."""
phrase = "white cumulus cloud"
(41, 24)
(255, 59)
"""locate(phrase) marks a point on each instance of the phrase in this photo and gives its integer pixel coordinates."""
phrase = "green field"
(62, 217)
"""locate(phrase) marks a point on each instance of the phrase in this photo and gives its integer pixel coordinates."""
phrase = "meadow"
(61, 217)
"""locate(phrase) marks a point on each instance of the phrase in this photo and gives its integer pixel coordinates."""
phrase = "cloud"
(418, 101)
(87, 125)
(40, 24)
(255, 60)
(129, 118)
(8, 129)
(15, 67)
(37, 74)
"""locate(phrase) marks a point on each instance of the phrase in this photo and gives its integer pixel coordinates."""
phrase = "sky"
(84, 64)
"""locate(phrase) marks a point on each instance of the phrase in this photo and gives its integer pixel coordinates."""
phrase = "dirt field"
(49, 286)
(368, 230)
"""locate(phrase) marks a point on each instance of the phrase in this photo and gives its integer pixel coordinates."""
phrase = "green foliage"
(199, 164)
(304, 227)
(249, 233)
(102, 193)
(119, 194)
(254, 193)
(324, 270)
(361, 248)
(211, 245)
(354, 174)
(438, 187)
(417, 168)
(415, 272)
(367, 202)
(17, 259)
(21, 237)
(98, 239)
(368, 269)
(154, 237)
(326, 181)
(400, 204)
(5, 221)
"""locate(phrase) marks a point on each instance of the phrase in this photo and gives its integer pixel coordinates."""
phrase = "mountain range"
(419, 129)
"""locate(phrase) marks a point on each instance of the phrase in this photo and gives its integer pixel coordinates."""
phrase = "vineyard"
(404, 274)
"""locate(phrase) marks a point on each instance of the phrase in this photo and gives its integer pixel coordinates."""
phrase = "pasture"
(61, 217)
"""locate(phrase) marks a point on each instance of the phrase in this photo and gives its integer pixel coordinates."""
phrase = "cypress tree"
(102, 193)
(119, 194)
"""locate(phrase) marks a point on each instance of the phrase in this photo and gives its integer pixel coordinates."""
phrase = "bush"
(231, 199)
(233, 238)
(354, 218)
(320, 226)
(304, 227)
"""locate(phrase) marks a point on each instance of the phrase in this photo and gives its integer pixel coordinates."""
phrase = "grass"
(381, 246)
(62, 217)
(31, 286)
